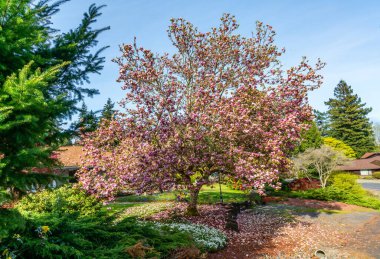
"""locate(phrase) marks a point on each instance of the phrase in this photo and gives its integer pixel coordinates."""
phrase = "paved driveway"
(371, 185)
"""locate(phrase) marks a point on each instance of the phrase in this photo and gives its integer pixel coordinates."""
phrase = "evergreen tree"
(309, 139)
(348, 120)
(87, 122)
(108, 110)
(42, 72)
(322, 121)
(26, 126)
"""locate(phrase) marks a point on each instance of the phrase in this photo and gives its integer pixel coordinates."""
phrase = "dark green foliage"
(26, 35)
(87, 122)
(108, 110)
(309, 139)
(11, 222)
(349, 121)
(42, 72)
(322, 121)
(74, 230)
(64, 200)
(343, 188)
(93, 237)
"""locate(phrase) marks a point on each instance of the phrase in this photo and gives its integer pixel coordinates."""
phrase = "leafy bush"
(343, 188)
(91, 237)
(339, 145)
(64, 200)
(10, 221)
(67, 223)
(376, 175)
(347, 182)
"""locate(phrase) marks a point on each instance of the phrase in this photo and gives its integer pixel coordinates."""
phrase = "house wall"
(365, 172)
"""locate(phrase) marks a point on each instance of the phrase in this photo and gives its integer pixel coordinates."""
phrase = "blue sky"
(344, 34)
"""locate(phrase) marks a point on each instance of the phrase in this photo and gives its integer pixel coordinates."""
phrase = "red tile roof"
(70, 155)
(369, 161)
(368, 155)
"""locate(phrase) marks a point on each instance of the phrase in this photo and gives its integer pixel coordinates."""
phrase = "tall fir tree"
(349, 121)
(108, 110)
(42, 73)
(322, 121)
(87, 121)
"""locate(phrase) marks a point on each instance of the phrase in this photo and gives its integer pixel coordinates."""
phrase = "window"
(365, 172)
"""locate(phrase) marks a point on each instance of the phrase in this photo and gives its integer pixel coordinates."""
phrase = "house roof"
(368, 155)
(70, 155)
(369, 161)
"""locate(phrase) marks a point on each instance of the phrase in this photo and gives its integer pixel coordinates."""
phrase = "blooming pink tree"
(220, 104)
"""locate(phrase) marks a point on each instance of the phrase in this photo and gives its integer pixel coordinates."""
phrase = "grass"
(142, 206)
(211, 195)
(207, 195)
(113, 208)
(142, 210)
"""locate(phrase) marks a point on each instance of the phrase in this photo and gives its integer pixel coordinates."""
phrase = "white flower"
(204, 237)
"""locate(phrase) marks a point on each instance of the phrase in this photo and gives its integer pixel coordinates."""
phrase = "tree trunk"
(192, 207)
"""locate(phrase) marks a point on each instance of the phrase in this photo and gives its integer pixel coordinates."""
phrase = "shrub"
(67, 199)
(348, 183)
(10, 221)
(91, 237)
(67, 223)
(376, 175)
(343, 188)
(304, 184)
(339, 145)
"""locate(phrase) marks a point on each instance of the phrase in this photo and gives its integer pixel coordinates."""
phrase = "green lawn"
(208, 195)
(142, 206)
(211, 194)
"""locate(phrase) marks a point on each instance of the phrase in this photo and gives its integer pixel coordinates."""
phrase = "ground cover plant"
(67, 223)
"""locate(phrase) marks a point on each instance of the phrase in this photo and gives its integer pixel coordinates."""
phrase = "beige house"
(366, 165)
